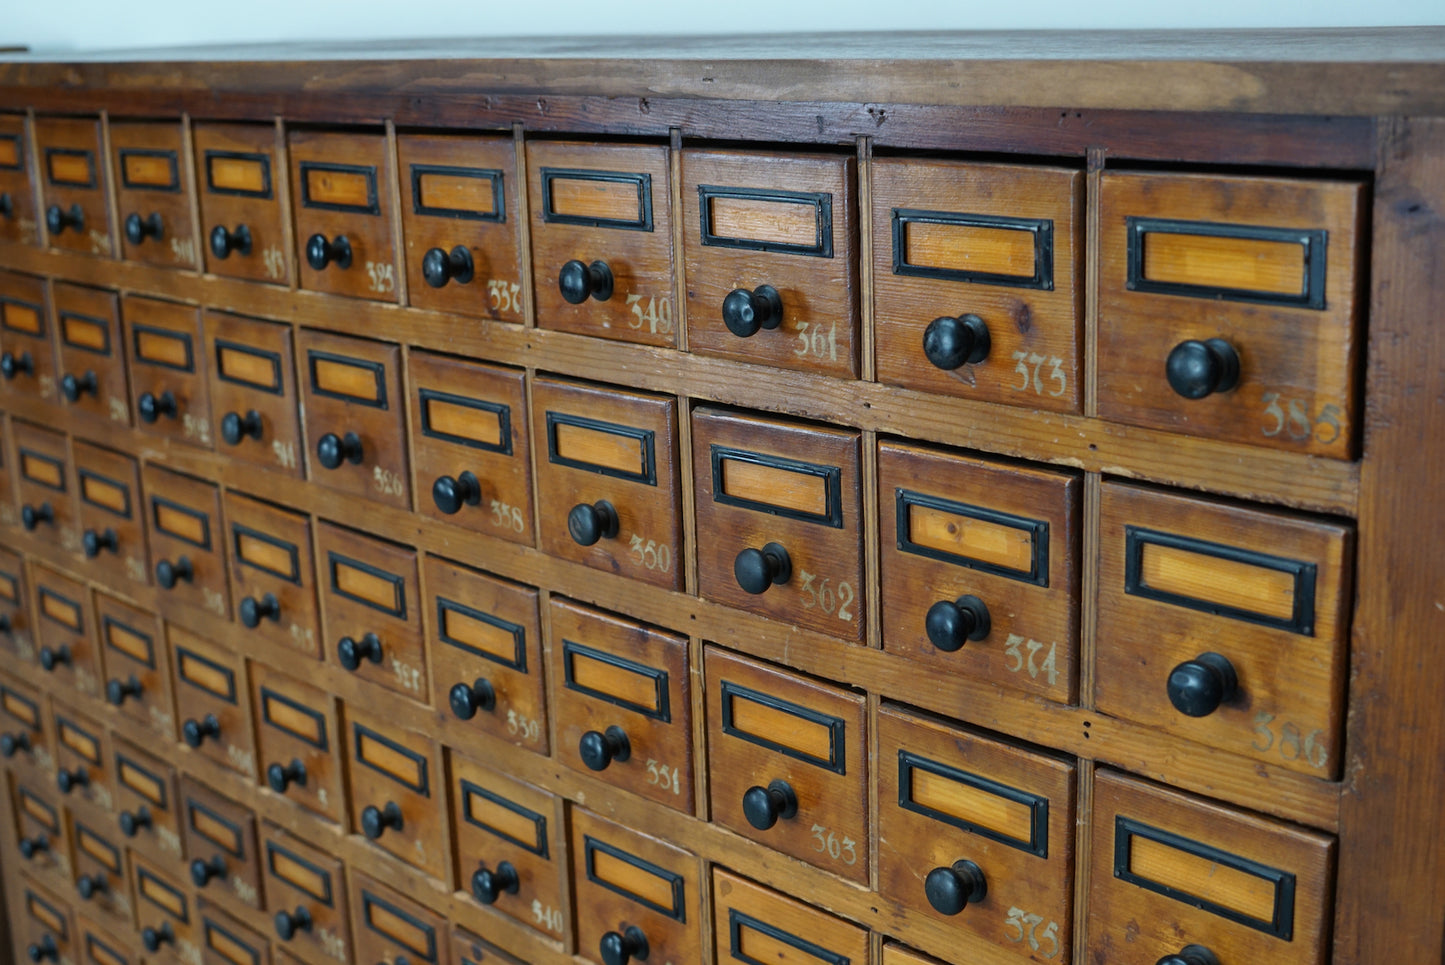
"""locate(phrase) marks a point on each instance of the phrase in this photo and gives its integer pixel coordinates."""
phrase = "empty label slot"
(348, 379)
(299, 873)
(291, 717)
(91, 334)
(163, 895)
(1201, 577)
(239, 173)
(260, 369)
(1005, 547)
(773, 485)
(505, 818)
(340, 186)
(460, 418)
(60, 610)
(755, 219)
(72, 167)
(971, 248)
(182, 523)
(380, 589)
(100, 953)
(42, 469)
(391, 759)
(268, 553)
(482, 633)
(622, 452)
(141, 781)
(149, 169)
(106, 493)
(93, 846)
(974, 805)
(399, 926)
(798, 731)
(43, 912)
(78, 741)
(635, 878)
(457, 190)
(633, 685)
(20, 317)
(214, 828)
(229, 947)
(138, 646)
(208, 676)
(20, 708)
(171, 349)
(1244, 263)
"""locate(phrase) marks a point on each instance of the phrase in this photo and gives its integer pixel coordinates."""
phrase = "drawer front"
(100, 946)
(187, 540)
(242, 222)
(756, 924)
(1229, 307)
(1225, 625)
(1000, 243)
(111, 518)
(225, 941)
(785, 498)
(41, 835)
(895, 954)
(90, 357)
(623, 702)
(353, 414)
(19, 222)
(979, 564)
(307, 896)
(211, 704)
(370, 603)
(43, 484)
(100, 874)
(253, 392)
(167, 365)
(602, 259)
(137, 664)
(1169, 871)
(65, 632)
(486, 653)
(16, 625)
(145, 803)
(82, 757)
(470, 446)
(397, 792)
(73, 192)
(273, 573)
(390, 927)
(46, 929)
(789, 753)
(24, 735)
(220, 837)
(608, 447)
(965, 819)
(341, 192)
(153, 193)
(165, 914)
(27, 356)
(459, 218)
(770, 248)
(470, 949)
(297, 731)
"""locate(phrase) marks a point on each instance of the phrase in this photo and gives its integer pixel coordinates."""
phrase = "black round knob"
(950, 342)
(763, 806)
(154, 938)
(33, 516)
(52, 657)
(1191, 955)
(578, 281)
(195, 732)
(235, 427)
(168, 574)
(118, 691)
(1197, 687)
(57, 219)
(1196, 369)
(92, 542)
(757, 569)
(619, 948)
(138, 229)
(224, 242)
(598, 750)
(253, 611)
(952, 623)
(12, 365)
(279, 778)
(43, 950)
(351, 651)
(451, 494)
(30, 847)
(11, 743)
(288, 923)
(467, 699)
(7, 205)
(320, 252)
(375, 821)
(68, 781)
(952, 889)
(91, 885)
(73, 388)
(439, 266)
(5, 625)
(746, 312)
(203, 871)
(590, 523)
(488, 886)
(332, 450)
(151, 406)
(132, 821)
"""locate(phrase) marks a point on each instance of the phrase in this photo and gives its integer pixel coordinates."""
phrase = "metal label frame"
(1042, 230)
(498, 214)
(1038, 841)
(501, 410)
(263, 158)
(169, 156)
(660, 680)
(1313, 241)
(832, 477)
(643, 180)
(518, 632)
(368, 171)
(836, 761)
(537, 846)
(678, 911)
(1038, 529)
(821, 202)
(647, 475)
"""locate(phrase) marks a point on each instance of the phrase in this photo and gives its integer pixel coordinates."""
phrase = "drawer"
(351, 391)
(971, 826)
(82, 758)
(99, 945)
(187, 541)
(785, 500)
(895, 954)
(637, 898)
(9, 518)
(397, 794)
(469, 949)
(19, 222)
(369, 603)
(220, 837)
(459, 219)
(73, 184)
(273, 573)
(137, 665)
(42, 837)
(90, 356)
(24, 733)
(486, 653)
(153, 193)
(756, 924)
(623, 702)
(470, 448)
(510, 855)
(609, 479)
(1170, 871)
(111, 518)
(42, 484)
(770, 252)
(1225, 625)
(980, 567)
(211, 701)
(253, 391)
(297, 730)
(225, 941)
(242, 221)
(392, 929)
(167, 369)
(1230, 307)
(306, 893)
(45, 929)
(27, 363)
(341, 187)
(101, 885)
(602, 259)
(66, 633)
(145, 802)
(16, 626)
(795, 761)
(165, 915)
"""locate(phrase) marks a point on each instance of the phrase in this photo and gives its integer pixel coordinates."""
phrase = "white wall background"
(109, 24)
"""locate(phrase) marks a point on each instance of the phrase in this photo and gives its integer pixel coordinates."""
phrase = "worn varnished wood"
(86, 323)
(148, 161)
(16, 181)
(270, 552)
(215, 827)
(239, 182)
(164, 352)
(134, 650)
(387, 764)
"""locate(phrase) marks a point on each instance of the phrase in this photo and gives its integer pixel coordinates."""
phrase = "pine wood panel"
(153, 190)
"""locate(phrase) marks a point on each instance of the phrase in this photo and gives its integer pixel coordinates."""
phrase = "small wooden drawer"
(16, 626)
(297, 733)
(24, 732)
(470, 448)
(369, 601)
(101, 884)
(797, 760)
(111, 517)
(73, 184)
(351, 390)
(273, 573)
(634, 892)
(253, 392)
(459, 218)
(756, 924)
(392, 929)
(486, 653)
(225, 941)
(980, 567)
(1230, 307)
(137, 664)
(187, 541)
(65, 632)
(167, 369)
(82, 757)
(165, 914)
(211, 702)
(895, 954)
(99, 945)
(42, 837)
(469, 949)
(770, 249)
(397, 792)
(510, 854)
(242, 221)
(341, 192)
(307, 896)
(43, 484)
(602, 259)
(27, 356)
(220, 837)
(19, 222)
(976, 833)
(145, 803)
(1225, 625)
(978, 280)
(46, 928)
(609, 479)
(90, 356)
(1169, 871)
(153, 193)
(783, 505)
(9, 518)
